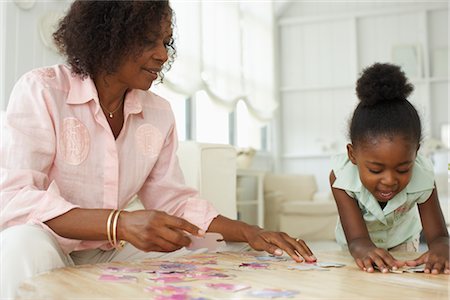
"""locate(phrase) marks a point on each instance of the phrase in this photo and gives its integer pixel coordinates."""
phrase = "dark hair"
(97, 35)
(383, 108)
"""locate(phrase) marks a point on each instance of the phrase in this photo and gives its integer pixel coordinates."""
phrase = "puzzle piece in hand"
(416, 269)
(398, 271)
(328, 264)
(211, 240)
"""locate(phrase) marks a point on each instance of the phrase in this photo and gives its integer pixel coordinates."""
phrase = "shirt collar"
(81, 90)
(421, 180)
(84, 90)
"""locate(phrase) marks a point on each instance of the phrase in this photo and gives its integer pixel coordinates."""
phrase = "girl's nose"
(389, 179)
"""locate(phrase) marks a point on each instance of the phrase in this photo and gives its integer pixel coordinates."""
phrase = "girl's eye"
(403, 171)
(374, 171)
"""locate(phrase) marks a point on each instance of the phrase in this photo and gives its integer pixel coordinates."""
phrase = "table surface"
(348, 282)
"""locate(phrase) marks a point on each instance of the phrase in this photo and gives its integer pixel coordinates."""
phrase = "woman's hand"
(277, 242)
(367, 255)
(152, 230)
(436, 260)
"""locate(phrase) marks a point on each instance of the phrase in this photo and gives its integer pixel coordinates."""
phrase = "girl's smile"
(385, 164)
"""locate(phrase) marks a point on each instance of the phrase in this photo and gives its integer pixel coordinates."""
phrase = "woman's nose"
(161, 53)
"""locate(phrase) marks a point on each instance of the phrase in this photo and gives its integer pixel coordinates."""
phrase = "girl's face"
(385, 164)
(139, 72)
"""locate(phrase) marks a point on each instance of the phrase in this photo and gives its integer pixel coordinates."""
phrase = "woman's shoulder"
(154, 100)
(56, 76)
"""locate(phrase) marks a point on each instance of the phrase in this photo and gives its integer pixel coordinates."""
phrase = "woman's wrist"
(249, 231)
(121, 225)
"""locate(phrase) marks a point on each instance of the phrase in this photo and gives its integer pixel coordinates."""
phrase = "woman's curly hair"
(384, 110)
(96, 36)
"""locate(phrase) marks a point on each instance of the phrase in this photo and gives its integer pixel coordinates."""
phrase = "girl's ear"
(351, 153)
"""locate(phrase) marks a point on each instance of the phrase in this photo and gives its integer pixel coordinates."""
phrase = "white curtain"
(226, 49)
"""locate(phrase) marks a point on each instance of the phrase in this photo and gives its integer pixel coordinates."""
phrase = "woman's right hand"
(152, 230)
(367, 256)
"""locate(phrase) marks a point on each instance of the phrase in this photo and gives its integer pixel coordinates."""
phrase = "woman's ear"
(351, 153)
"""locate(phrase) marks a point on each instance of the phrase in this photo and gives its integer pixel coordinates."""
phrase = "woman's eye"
(168, 43)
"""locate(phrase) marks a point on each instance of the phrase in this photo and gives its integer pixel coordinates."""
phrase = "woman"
(89, 136)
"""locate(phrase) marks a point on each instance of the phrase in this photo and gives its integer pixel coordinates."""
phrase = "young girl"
(382, 179)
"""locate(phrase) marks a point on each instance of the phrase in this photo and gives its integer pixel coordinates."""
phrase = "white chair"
(211, 169)
(293, 205)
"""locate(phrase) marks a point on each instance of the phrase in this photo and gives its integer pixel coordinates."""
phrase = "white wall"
(324, 45)
(2, 56)
(21, 42)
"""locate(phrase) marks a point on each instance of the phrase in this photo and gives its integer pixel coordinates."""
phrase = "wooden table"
(348, 282)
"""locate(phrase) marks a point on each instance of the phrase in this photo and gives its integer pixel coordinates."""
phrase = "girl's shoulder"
(347, 175)
(423, 175)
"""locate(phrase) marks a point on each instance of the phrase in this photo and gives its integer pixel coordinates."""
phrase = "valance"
(225, 49)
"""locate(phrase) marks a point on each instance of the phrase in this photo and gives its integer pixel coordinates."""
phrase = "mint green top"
(399, 221)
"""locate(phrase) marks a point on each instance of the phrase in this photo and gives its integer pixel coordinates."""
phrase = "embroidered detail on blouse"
(47, 73)
(148, 140)
(75, 141)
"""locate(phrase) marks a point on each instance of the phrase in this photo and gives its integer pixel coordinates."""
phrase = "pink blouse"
(60, 153)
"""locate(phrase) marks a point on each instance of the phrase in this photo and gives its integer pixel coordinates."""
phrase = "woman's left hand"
(276, 242)
(436, 259)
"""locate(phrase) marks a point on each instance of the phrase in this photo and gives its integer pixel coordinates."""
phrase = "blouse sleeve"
(26, 155)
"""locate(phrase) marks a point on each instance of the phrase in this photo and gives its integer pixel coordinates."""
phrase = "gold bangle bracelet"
(116, 243)
(108, 227)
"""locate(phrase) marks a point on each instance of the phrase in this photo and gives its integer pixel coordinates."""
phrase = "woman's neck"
(110, 92)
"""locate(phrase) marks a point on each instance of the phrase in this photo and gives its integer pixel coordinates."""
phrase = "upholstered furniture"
(211, 169)
(293, 205)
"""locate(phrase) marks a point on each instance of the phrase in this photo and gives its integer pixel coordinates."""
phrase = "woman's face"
(139, 71)
(385, 164)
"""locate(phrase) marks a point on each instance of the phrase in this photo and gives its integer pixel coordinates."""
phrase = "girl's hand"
(366, 257)
(277, 242)
(436, 260)
(152, 230)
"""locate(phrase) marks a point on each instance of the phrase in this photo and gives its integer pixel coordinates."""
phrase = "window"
(249, 132)
(211, 120)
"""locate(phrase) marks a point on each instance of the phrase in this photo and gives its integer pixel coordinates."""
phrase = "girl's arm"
(437, 258)
(359, 243)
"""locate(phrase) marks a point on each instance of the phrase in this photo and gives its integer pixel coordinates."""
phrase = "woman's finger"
(302, 249)
(182, 224)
